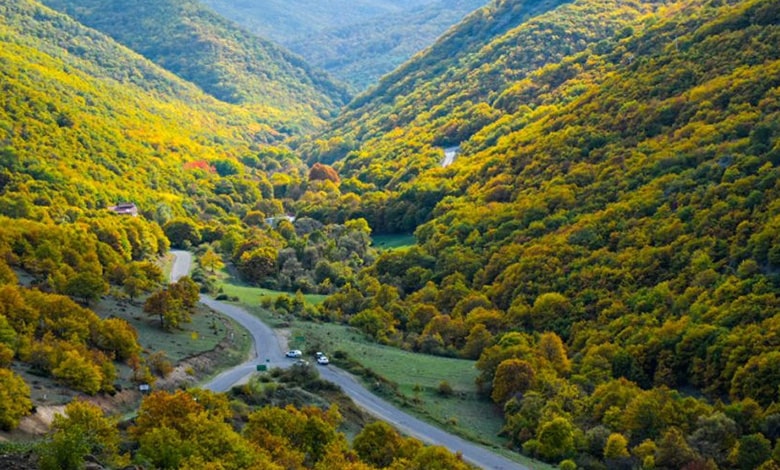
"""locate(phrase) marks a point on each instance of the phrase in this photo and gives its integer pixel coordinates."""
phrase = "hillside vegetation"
(604, 244)
(85, 123)
(205, 49)
(357, 42)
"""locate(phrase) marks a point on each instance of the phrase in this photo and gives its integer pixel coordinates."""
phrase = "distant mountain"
(357, 42)
(201, 47)
(282, 20)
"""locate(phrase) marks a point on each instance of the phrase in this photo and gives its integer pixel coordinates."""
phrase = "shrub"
(445, 389)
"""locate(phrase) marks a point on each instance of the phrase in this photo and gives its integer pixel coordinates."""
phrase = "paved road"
(268, 351)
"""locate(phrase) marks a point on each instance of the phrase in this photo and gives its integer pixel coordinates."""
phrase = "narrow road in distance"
(268, 351)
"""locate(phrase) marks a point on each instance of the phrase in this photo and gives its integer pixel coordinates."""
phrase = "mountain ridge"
(357, 45)
(201, 47)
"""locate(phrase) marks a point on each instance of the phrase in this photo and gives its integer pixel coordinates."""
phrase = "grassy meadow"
(393, 242)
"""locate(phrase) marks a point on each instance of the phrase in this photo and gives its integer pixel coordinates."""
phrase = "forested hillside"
(201, 47)
(87, 123)
(605, 242)
(84, 125)
(358, 42)
(604, 245)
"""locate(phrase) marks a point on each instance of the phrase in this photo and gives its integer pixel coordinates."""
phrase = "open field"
(251, 295)
(228, 284)
(417, 377)
(393, 242)
(204, 332)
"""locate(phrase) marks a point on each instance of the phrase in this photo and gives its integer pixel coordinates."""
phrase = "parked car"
(318, 354)
(294, 353)
(323, 360)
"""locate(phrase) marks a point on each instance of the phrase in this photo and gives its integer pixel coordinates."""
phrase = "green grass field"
(202, 334)
(393, 242)
(417, 376)
(251, 295)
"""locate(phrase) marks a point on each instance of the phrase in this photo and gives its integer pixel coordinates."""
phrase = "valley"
(549, 227)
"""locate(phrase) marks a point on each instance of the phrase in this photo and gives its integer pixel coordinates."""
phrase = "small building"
(274, 221)
(125, 208)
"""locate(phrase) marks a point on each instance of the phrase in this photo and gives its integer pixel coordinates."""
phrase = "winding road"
(268, 351)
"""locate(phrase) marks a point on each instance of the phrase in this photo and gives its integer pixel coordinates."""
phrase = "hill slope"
(358, 42)
(203, 48)
(446, 94)
(86, 122)
(606, 241)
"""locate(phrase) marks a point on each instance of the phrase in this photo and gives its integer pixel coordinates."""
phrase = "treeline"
(200, 429)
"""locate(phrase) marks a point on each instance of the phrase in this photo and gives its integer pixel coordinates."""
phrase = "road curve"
(268, 351)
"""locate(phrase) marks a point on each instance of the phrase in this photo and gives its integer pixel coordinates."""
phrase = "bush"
(567, 465)
(445, 389)
(160, 364)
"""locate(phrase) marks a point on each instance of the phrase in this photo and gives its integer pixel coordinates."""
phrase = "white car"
(323, 360)
(294, 353)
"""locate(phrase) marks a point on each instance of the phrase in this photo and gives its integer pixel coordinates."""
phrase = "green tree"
(258, 264)
(752, 450)
(82, 430)
(512, 376)
(118, 337)
(175, 304)
(182, 233)
(187, 291)
(377, 443)
(556, 439)
(14, 399)
(141, 277)
(436, 458)
(547, 308)
(673, 451)
(211, 260)
(616, 447)
(79, 372)
(86, 286)
(552, 350)
(714, 437)
(759, 379)
(164, 306)
(376, 322)
(163, 447)
(8, 335)
(478, 339)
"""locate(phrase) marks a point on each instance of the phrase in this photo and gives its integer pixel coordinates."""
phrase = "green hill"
(86, 123)
(616, 189)
(203, 48)
(604, 245)
(358, 42)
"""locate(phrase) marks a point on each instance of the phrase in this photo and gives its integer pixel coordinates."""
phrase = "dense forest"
(604, 243)
(203, 48)
(604, 246)
(88, 125)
